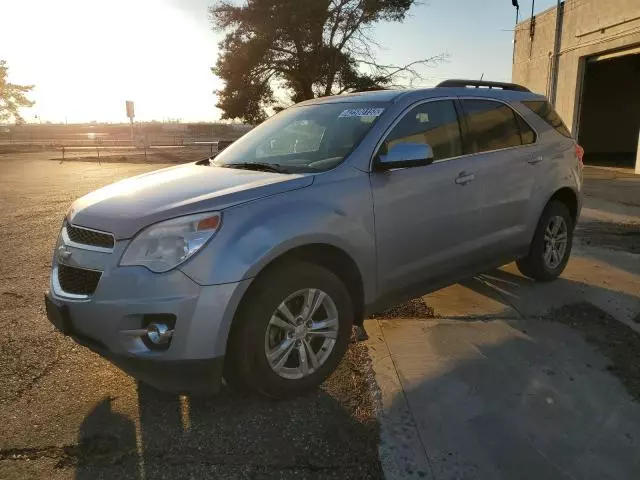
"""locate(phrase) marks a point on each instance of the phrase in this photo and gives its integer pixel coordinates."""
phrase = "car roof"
(416, 94)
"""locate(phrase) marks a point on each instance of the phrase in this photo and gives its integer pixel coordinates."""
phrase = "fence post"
(62, 154)
(98, 149)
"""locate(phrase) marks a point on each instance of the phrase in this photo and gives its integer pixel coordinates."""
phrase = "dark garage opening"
(610, 111)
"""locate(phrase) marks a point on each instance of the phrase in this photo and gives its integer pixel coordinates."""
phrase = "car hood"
(125, 207)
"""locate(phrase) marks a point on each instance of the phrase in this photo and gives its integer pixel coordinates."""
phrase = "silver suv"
(255, 265)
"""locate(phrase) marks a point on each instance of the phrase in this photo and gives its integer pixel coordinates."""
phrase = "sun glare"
(87, 57)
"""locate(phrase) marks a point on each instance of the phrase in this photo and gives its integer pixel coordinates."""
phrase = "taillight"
(580, 154)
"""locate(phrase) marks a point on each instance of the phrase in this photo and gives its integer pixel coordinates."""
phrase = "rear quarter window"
(546, 112)
(491, 126)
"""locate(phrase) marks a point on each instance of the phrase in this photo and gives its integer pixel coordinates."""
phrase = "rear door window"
(526, 132)
(546, 112)
(493, 126)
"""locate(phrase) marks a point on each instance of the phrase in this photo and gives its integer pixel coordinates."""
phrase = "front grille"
(78, 280)
(90, 237)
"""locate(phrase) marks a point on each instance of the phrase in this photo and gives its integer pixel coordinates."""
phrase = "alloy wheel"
(301, 333)
(555, 242)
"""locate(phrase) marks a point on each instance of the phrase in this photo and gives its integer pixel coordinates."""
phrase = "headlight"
(166, 245)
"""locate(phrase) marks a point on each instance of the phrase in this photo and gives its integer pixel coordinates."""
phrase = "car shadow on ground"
(532, 299)
(322, 435)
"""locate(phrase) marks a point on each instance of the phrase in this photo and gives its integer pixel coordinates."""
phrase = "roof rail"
(483, 84)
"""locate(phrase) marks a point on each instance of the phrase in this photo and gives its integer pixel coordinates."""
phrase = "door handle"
(465, 178)
(534, 160)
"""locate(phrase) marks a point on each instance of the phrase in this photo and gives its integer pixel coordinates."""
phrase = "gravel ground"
(67, 413)
(414, 308)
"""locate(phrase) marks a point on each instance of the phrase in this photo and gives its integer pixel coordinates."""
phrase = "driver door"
(425, 216)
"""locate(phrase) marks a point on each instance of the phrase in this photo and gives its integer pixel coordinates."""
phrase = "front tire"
(551, 246)
(291, 331)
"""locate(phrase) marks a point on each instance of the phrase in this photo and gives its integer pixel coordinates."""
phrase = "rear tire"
(287, 351)
(551, 245)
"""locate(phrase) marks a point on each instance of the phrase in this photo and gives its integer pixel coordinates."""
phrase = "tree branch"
(397, 69)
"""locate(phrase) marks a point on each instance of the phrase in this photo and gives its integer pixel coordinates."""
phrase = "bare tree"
(305, 48)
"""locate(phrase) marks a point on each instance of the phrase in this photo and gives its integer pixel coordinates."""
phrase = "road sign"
(130, 112)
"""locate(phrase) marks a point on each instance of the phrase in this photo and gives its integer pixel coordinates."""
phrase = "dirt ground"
(67, 413)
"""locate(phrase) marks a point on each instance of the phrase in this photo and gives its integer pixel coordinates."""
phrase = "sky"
(86, 57)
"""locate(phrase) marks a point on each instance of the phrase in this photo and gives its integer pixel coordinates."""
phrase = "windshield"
(304, 139)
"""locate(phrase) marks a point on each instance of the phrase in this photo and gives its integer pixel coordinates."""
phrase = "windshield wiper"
(205, 161)
(257, 166)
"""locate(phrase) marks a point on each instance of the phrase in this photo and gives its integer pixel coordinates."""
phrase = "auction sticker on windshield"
(361, 112)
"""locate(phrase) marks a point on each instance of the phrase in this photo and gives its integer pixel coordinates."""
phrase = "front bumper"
(124, 300)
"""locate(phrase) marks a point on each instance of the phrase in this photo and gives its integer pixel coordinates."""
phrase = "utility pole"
(556, 53)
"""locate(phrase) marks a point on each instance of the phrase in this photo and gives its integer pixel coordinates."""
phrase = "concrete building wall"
(590, 27)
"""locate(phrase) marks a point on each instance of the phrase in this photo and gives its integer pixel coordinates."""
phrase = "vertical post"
(62, 154)
(533, 5)
(556, 53)
(638, 155)
(515, 36)
(532, 27)
(131, 124)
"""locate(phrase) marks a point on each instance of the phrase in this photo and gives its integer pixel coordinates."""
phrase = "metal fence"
(141, 153)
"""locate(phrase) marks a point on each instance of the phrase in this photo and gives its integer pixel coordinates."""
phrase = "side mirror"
(404, 155)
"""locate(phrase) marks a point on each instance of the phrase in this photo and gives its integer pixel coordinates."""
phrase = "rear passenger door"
(504, 165)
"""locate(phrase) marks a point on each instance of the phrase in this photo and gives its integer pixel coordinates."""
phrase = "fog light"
(159, 333)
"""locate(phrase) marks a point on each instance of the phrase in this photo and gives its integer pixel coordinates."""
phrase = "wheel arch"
(328, 256)
(569, 197)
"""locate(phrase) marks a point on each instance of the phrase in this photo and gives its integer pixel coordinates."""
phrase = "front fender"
(335, 212)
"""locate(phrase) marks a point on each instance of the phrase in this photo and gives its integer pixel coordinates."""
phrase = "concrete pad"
(469, 299)
(587, 278)
(601, 210)
(608, 279)
(509, 399)
(402, 453)
(613, 184)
